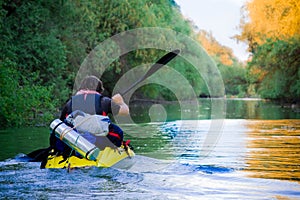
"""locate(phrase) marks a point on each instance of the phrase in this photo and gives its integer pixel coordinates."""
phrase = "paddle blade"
(161, 62)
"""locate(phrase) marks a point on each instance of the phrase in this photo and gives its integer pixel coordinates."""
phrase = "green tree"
(279, 62)
(235, 79)
(23, 103)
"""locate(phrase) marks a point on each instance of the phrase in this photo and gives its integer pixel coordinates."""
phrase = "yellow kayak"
(108, 157)
(105, 154)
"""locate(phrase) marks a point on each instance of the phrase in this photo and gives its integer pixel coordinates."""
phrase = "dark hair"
(92, 83)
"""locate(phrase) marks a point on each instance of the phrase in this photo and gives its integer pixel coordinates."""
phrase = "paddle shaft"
(154, 68)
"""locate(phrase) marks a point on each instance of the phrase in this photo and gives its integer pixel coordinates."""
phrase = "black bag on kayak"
(115, 135)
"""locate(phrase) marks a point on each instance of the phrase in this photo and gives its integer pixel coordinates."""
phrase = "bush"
(23, 104)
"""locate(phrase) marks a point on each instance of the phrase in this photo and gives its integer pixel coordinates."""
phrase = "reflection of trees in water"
(274, 149)
(258, 109)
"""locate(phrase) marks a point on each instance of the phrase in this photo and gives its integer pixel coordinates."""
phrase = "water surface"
(254, 158)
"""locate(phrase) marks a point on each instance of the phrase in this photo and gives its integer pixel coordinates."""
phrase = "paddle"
(39, 154)
(154, 68)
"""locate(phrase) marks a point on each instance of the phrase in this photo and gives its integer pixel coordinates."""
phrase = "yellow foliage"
(214, 48)
(270, 19)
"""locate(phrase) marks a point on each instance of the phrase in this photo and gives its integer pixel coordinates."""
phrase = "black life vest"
(83, 102)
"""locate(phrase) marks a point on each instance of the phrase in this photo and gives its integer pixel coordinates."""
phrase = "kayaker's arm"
(118, 99)
(65, 111)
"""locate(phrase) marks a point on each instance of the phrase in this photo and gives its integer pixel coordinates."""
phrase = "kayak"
(104, 154)
(109, 157)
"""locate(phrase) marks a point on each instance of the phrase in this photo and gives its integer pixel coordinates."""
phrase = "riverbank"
(236, 108)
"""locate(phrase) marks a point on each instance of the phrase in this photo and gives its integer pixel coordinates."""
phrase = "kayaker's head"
(92, 83)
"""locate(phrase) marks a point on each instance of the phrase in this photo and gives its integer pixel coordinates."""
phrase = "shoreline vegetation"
(283, 104)
(294, 107)
(44, 42)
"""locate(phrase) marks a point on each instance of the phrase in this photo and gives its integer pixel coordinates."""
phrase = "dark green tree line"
(44, 42)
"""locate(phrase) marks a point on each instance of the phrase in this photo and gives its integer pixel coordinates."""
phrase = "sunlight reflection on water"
(274, 149)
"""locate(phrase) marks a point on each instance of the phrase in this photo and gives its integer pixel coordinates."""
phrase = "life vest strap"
(115, 135)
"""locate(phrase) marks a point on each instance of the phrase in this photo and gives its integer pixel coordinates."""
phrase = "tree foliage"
(279, 64)
(233, 72)
(23, 102)
(43, 44)
(277, 19)
(271, 28)
(214, 48)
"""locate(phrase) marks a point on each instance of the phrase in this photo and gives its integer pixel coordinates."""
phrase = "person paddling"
(89, 100)
(93, 86)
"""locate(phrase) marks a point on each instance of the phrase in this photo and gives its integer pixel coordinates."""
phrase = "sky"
(221, 17)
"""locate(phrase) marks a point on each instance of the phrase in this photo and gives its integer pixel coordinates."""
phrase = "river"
(255, 156)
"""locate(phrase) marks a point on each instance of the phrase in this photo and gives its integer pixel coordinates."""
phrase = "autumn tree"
(233, 72)
(214, 48)
(269, 19)
(272, 30)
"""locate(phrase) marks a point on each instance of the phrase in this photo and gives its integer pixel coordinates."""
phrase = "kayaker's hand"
(118, 99)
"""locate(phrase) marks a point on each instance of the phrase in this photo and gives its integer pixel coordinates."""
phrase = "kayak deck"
(108, 157)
